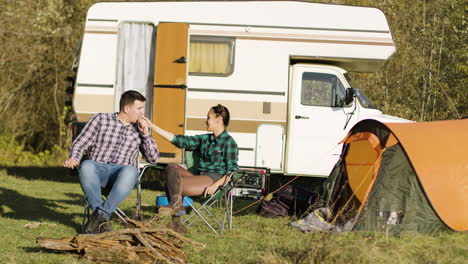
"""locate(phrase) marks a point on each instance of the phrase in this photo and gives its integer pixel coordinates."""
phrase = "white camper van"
(278, 66)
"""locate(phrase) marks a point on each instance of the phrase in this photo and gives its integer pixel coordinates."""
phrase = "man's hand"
(71, 163)
(150, 124)
(143, 125)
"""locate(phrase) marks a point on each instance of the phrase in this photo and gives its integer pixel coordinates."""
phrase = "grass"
(54, 199)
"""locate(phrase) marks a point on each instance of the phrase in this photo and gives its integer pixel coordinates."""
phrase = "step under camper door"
(170, 83)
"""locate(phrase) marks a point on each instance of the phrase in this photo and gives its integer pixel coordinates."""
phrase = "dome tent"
(401, 177)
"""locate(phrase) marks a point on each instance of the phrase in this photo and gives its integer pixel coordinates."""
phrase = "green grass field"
(51, 200)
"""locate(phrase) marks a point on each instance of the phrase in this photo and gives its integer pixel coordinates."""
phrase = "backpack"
(273, 208)
(291, 200)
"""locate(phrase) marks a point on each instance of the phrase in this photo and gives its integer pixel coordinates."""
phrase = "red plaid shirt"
(113, 142)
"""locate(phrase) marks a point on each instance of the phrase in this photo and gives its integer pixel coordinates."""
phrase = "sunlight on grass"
(53, 208)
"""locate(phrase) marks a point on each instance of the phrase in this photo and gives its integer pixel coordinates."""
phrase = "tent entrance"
(355, 175)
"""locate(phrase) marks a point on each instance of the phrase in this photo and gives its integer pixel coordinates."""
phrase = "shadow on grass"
(76, 199)
(36, 250)
(245, 206)
(19, 206)
(15, 205)
(150, 180)
(58, 174)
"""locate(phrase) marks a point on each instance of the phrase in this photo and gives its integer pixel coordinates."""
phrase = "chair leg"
(226, 210)
(202, 218)
(138, 205)
(212, 216)
(121, 215)
(85, 216)
(231, 198)
(193, 214)
(197, 212)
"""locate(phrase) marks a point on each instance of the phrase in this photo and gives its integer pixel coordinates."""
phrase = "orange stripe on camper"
(438, 152)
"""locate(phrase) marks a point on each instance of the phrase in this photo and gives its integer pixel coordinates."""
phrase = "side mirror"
(349, 96)
(70, 84)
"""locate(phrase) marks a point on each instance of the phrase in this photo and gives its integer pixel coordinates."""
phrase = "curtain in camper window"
(135, 65)
(210, 57)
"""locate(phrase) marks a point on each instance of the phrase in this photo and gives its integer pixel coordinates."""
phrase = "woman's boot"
(174, 192)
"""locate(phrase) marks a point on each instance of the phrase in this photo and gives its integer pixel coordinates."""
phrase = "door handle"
(301, 117)
(181, 60)
(180, 86)
(181, 125)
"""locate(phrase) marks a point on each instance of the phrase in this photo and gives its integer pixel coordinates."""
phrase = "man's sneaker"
(105, 227)
(94, 224)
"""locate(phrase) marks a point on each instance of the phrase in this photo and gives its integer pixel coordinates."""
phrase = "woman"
(218, 158)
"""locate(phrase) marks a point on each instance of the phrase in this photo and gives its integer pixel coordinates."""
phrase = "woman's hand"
(209, 190)
(150, 124)
(165, 134)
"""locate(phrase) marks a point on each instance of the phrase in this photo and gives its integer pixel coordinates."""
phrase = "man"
(115, 141)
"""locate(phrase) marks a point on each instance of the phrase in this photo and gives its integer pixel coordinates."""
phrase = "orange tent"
(402, 176)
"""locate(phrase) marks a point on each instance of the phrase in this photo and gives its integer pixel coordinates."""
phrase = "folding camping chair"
(224, 194)
(246, 182)
(192, 159)
(122, 216)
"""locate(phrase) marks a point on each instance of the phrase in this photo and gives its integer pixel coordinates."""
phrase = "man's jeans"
(119, 179)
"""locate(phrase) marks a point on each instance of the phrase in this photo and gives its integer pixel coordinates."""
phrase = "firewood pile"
(141, 244)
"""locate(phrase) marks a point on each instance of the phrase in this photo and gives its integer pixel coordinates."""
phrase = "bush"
(13, 153)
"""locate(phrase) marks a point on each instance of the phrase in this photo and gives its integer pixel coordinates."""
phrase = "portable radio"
(252, 182)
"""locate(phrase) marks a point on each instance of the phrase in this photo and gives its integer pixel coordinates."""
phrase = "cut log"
(135, 223)
(112, 255)
(120, 238)
(159, 255)
(130, 245)
(65, 243)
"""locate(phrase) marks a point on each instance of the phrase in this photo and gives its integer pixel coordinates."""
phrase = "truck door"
(315, 121)
(170, 83)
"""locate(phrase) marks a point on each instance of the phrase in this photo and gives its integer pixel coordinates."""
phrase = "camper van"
(279, 67)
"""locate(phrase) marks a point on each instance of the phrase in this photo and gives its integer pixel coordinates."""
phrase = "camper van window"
(211, 56)
(321, 89)
(339, 93)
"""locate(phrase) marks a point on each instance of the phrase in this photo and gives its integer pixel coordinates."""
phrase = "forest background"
(425, 80)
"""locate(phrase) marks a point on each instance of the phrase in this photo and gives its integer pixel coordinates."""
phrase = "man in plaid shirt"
(115, 141)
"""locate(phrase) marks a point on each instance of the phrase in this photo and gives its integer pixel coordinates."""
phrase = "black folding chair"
(120, 214)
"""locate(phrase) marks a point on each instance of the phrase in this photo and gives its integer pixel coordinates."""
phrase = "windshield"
(363, 100)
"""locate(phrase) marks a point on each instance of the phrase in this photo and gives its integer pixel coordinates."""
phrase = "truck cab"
(322, 109)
